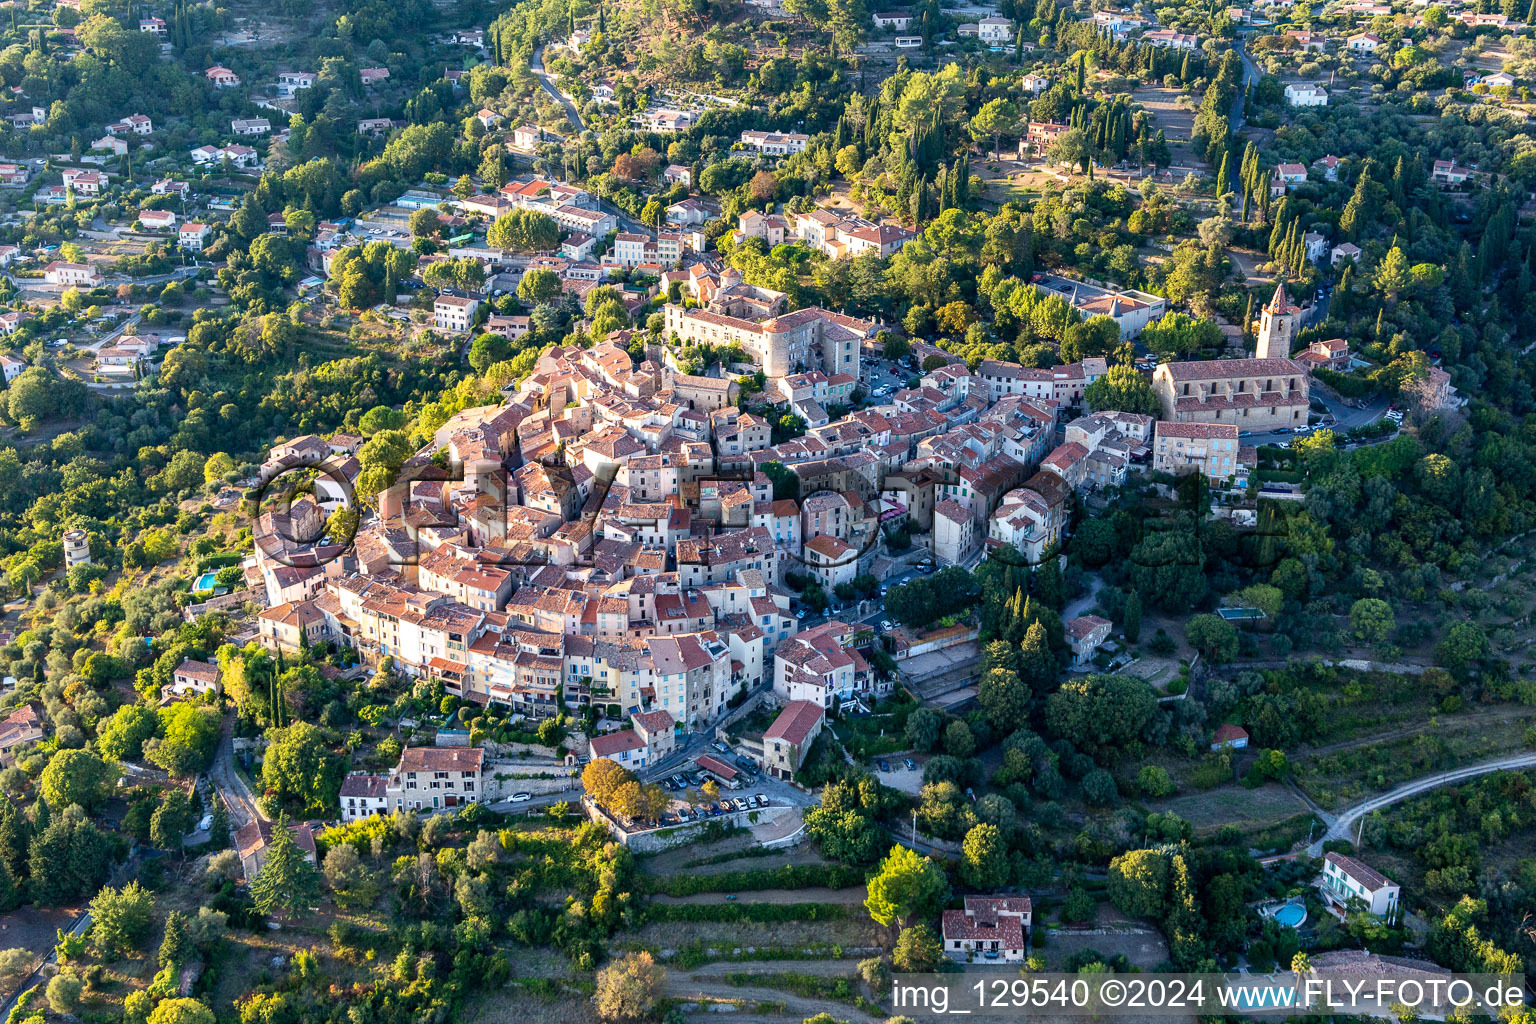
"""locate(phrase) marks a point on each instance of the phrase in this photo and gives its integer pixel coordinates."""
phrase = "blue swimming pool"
(1293, 915)
(205, 581)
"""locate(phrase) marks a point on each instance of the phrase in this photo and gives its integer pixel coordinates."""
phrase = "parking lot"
(882, 378)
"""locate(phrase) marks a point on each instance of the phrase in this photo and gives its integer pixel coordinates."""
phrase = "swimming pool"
(205, 581)
(1293, 915)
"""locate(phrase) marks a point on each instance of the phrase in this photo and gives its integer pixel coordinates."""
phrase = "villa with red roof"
(994, 927)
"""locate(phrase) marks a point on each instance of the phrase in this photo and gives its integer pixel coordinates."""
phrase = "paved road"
(237, 795)
(537, 66)
(1251, 73)
(1339, 827)
(36, 977)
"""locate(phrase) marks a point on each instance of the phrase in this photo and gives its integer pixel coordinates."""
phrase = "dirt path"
(710, 983)
(851, 896)
(1457, 724)
(1339, 828)
(718, 971)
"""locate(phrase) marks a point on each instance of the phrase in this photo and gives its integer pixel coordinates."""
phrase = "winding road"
(537, 66)
(1339, 825)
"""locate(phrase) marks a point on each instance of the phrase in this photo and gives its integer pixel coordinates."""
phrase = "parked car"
(911, 764)
(886, 625)
(885, 766)
(762, 800)
(521, 798)
(206, 823)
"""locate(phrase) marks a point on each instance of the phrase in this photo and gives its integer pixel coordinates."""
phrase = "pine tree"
(42, 817)
(1131, 626)
(286, 881)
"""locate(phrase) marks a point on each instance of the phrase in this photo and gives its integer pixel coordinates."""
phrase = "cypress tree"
(218, 829)
(176, 946)
(15, 838)
(1131, 626)
(10, 890)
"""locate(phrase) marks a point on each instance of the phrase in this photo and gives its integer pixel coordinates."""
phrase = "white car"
(521, 798)
(206, 823)
(887, 625)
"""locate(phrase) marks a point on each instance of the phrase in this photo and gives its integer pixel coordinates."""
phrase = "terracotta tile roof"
(795, 722)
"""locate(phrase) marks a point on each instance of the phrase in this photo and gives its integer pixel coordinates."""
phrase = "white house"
(1316, 246)
(1229, 737)
(775, 143)
(194, 677)
(12, 365)
(453, 313)
(59, 272)
(157, 220)
(1345, 878)
(1363, 42)
(626, 747)
(1306, 95)
(222, 77)
(363, 796)
(990, 927)
(133, 124)
(899, 20)
(87, 183)
(1344, 251)
(193, 236)
(250, 126)
(290, 82)
(994, 30)
(1447, 172)
(1499, 79)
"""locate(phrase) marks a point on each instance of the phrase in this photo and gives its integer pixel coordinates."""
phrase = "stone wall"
(658, 839)
(502, 778)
